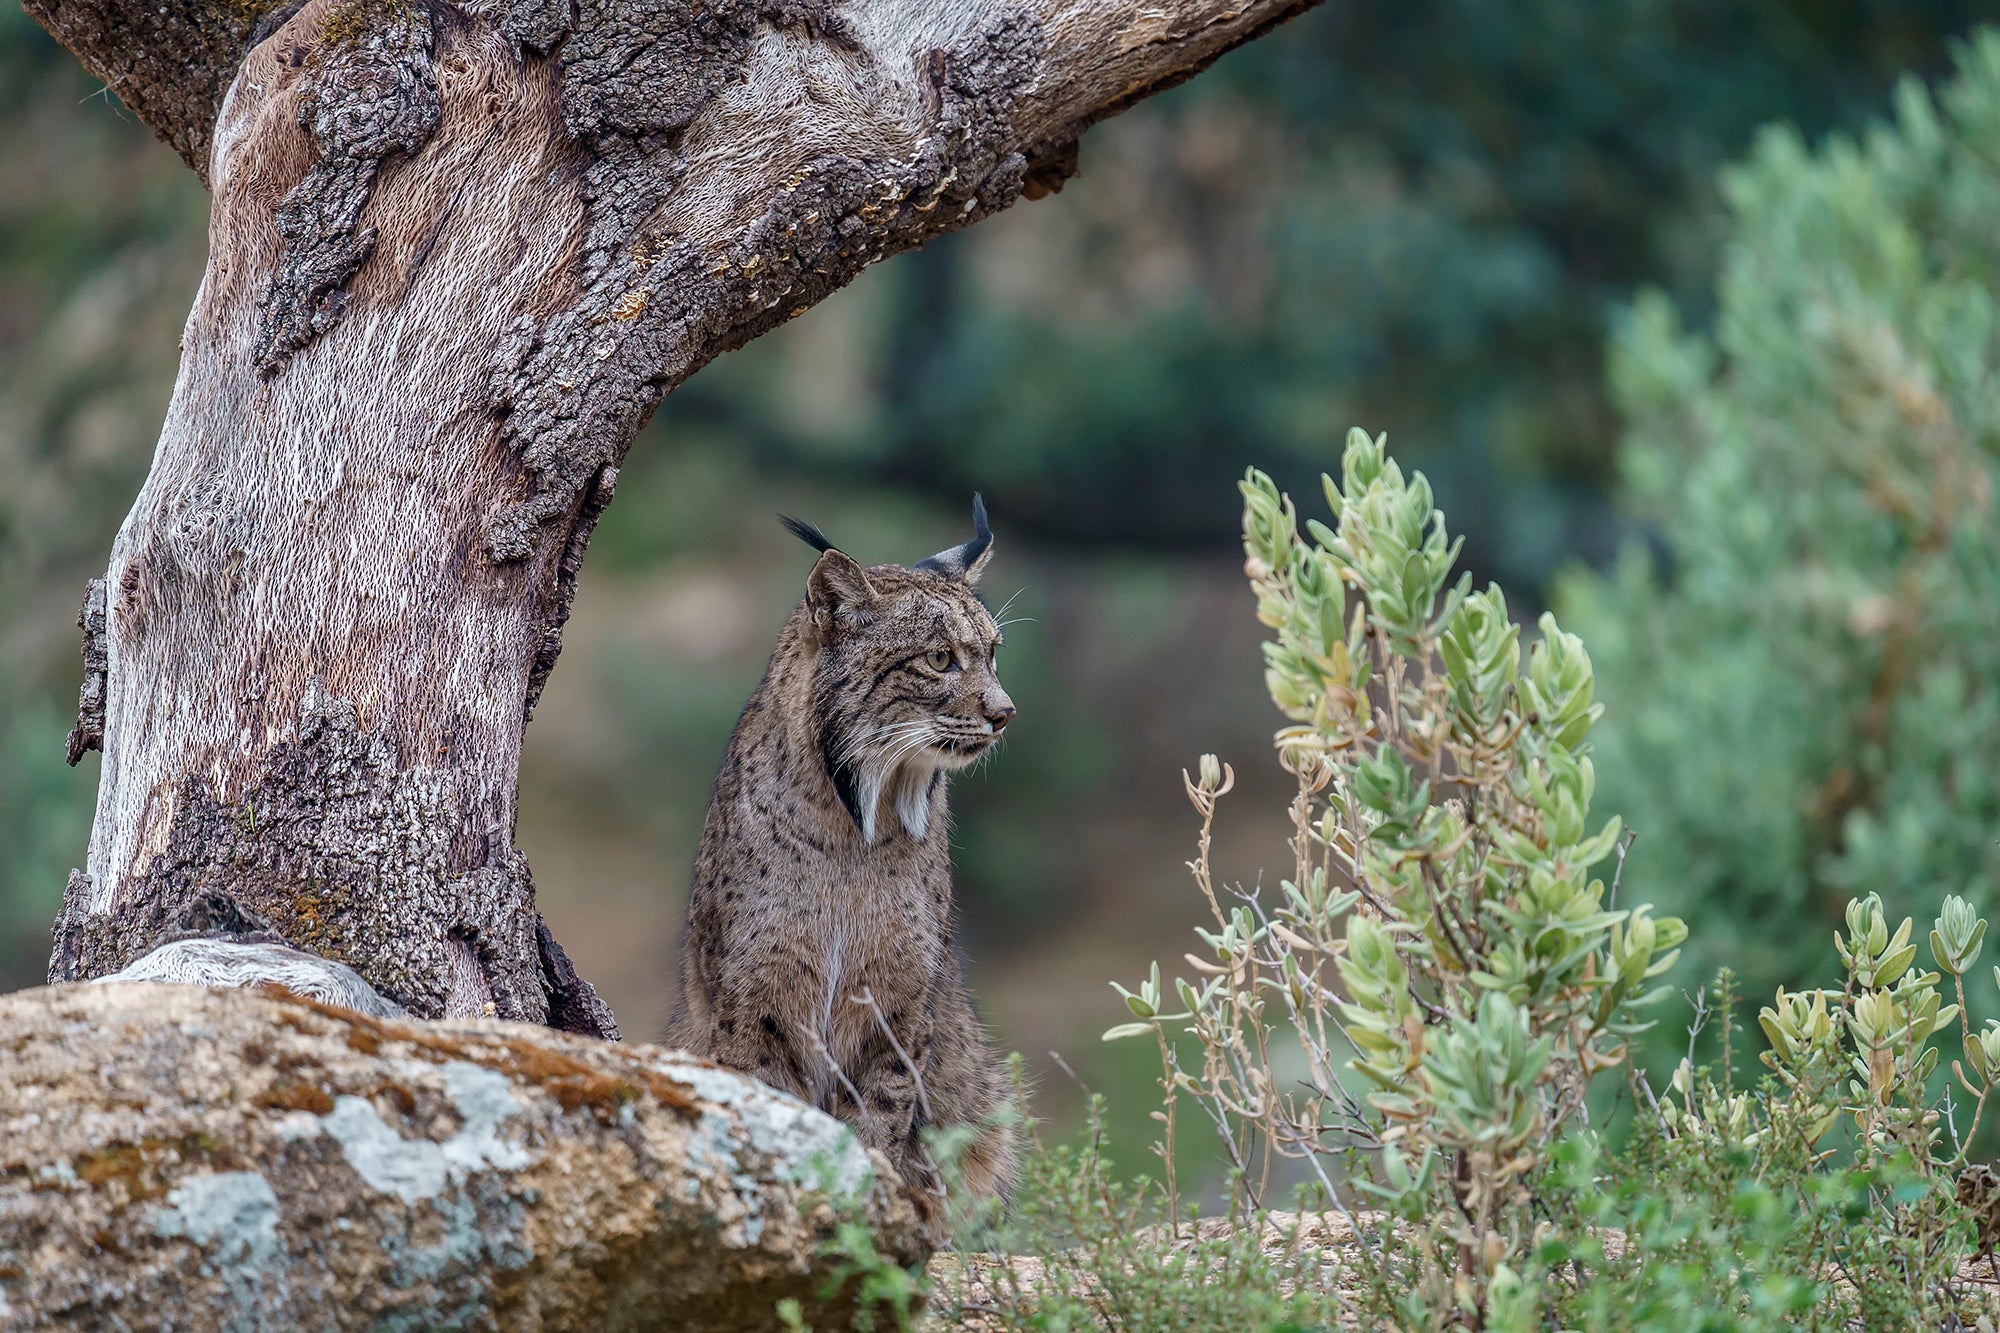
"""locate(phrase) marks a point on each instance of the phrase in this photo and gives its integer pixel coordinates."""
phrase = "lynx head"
(905, 687)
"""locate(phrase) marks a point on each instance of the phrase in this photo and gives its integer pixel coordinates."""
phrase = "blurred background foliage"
(1804, 693)
(1423, 218)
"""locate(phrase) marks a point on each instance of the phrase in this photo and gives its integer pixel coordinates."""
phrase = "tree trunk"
(458, 255)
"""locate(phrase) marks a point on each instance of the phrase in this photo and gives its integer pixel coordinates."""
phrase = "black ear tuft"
(981, 532)
(965, 561)
(806, 532)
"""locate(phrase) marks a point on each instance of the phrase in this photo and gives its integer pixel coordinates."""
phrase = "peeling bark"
(88, 734)
(459, 252)
(369, 94)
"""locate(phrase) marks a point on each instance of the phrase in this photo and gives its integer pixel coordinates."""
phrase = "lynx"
(819, 952)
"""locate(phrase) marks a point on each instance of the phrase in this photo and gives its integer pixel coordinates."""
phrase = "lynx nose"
(998, 707)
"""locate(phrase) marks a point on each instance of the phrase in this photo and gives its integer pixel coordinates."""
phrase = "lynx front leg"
(889, 1079)
(970, 1086)
(731, 1012)
(758, 1044)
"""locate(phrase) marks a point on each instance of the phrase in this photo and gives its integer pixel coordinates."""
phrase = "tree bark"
(458, 255)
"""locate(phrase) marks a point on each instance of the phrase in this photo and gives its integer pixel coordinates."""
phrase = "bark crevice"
(337, 848)
(369, 95)
(538, 25)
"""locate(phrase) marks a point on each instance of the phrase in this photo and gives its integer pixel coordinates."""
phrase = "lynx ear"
(838, 585)
(967, 561)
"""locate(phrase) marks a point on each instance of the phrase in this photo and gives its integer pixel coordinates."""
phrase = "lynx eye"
(937, 659)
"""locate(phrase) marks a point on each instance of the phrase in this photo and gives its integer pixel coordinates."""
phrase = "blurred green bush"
(1803, 696)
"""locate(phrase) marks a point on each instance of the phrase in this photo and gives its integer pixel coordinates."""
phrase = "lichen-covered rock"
(174, 1157)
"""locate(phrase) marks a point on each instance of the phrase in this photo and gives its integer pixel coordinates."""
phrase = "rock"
(176, 1157)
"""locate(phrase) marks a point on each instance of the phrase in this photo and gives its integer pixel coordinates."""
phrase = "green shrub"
(1805, 695)
(1409, 1025)
(1440, 935)
(1824, 1196)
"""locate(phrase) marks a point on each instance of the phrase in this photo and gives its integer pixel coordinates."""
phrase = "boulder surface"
(173, 1157)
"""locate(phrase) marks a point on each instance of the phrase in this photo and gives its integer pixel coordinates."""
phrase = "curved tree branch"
(459, 253)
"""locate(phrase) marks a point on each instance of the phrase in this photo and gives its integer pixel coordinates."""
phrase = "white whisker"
(906, 747)
(854, 746)
(869, 739)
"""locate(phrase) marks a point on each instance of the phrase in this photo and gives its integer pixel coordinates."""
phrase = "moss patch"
(575, 1084)
(137, 1168)
(355, 19)
(295, 1097)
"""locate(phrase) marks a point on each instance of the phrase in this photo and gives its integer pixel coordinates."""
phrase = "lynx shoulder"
(819, 953)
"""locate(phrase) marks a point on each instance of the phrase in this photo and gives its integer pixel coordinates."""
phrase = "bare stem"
(866, 999)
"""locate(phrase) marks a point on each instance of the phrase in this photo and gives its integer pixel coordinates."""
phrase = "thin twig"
(1699, 1001)
(818, 1044)
(867, 1000)
(1624, 845)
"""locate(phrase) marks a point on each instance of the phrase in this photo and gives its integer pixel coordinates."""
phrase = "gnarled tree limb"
(460, 251)
(169, 62)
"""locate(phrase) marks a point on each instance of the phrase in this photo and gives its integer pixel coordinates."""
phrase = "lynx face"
(906, 687)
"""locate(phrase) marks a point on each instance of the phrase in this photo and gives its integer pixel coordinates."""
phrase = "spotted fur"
(825, 871)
